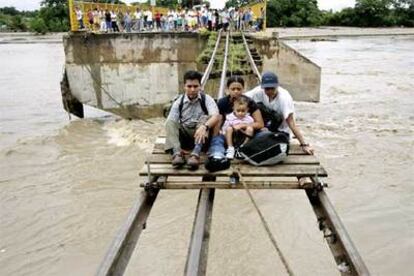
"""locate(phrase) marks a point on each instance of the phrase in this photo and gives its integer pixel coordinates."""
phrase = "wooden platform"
(294, 173)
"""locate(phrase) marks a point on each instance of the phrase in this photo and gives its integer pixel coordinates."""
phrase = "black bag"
(216, 164)
(272, 119)
(266, 148)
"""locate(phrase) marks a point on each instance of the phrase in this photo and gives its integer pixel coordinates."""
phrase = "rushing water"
(66, 186)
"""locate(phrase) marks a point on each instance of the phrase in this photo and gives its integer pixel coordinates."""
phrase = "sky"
(35, 4)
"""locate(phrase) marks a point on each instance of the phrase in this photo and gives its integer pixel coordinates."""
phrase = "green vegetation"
(38, 25)
(14, 20)
(366, 13)
(55, 16)
(52, 17)
(237, 62)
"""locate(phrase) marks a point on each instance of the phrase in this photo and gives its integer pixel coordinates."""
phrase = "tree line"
(53, 14)
(366, 13)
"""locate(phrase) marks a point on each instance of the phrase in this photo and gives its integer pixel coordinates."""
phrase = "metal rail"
(346, 256)
(198, 251)
(211, 62)
(343, 250)
(224, 70)
(250, 57)
(117, 257)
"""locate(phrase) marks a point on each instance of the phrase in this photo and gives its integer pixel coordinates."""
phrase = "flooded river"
(66, 186)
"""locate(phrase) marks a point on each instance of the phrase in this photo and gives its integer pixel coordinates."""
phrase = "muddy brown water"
(66, 186)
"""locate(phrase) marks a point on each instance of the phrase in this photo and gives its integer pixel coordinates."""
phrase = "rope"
(265, 225)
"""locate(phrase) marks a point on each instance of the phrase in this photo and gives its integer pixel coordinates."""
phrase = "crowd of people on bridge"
(193, 20)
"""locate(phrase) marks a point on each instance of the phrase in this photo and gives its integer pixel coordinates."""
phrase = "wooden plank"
(295, 149)
(341, 245)
(246, 170)
(291, 159)
(198, 251)
(122, 247)
(176, 185)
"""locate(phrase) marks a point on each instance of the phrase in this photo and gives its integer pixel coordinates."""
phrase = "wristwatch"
(207, 127)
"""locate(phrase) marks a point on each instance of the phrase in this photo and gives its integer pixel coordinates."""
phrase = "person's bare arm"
(202, 131)
(295, 129)
(258, 120)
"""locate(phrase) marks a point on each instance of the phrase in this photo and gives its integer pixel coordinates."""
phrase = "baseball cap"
(269, 80)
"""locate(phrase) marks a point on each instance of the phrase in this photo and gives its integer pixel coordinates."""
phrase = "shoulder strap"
(180, 107)
(203, 103)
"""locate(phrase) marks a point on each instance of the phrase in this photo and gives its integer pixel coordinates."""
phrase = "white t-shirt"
(283, 103)
(149, 16)
(79, 15)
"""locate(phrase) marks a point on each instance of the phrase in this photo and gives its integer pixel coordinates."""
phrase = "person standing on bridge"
(79, 17)
(189, 122)
(276, 99)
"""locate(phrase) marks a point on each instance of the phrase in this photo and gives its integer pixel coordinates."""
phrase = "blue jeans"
(217, 148)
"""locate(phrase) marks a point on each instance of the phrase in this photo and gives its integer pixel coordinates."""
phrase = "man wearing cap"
(274, 97)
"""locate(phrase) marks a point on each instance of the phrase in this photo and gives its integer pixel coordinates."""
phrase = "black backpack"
(272, 119)
(266, 148)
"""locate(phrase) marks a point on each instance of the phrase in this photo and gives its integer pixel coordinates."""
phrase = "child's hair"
(235, 78)
(241, 101)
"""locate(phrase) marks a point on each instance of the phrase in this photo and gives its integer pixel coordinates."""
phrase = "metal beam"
(346, 255)
(250, 57)
(224, 69)
(207, 72)
(122, 247)
(198, 251)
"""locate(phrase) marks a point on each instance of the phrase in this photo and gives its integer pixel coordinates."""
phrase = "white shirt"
(79, 14)
(283, 103)
(149, 15)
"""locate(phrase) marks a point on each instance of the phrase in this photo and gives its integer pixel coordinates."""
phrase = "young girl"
(239, 121)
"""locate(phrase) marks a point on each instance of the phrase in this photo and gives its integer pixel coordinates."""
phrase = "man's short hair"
(193, 75)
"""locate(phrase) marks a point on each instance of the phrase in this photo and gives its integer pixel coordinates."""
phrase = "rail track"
(305, 171)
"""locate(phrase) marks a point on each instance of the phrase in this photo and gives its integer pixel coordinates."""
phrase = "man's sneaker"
(193, 162)
(178, 161)
(230, 153)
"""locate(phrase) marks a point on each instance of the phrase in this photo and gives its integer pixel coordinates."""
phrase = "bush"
(38, 25)
(17, 24)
